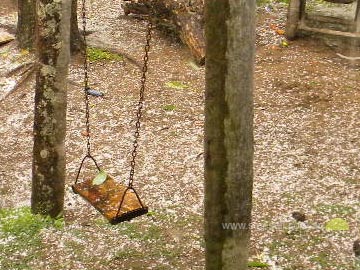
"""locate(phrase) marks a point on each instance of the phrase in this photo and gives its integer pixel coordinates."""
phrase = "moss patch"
(20, 240)
(335, 209)
(96, 54)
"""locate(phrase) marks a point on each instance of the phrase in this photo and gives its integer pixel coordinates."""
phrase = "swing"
(115, 201)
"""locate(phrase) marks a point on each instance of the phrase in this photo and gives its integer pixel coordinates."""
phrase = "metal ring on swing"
(82, 163)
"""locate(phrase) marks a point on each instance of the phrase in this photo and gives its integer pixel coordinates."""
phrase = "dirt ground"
(307, 142)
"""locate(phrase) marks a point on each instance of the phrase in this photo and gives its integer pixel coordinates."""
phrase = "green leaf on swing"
(176, 85)
(100, 178)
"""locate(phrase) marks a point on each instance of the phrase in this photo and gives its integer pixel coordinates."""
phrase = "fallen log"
(182, 17)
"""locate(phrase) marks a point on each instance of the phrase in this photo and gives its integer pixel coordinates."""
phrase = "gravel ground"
(307, 111)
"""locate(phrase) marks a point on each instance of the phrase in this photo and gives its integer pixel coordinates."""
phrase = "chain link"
(140, 104)
(86, 78)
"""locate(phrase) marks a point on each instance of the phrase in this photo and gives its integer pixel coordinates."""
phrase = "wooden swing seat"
(114, 201)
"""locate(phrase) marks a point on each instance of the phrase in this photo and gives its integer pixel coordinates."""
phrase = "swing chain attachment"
(140, 104)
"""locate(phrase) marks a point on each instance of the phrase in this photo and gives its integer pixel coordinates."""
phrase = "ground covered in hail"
(307, 111)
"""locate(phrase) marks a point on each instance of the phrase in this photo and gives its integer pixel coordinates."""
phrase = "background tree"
(26, 25)
(230, 45)
(53, 49)
(25, 31)
(76, 39)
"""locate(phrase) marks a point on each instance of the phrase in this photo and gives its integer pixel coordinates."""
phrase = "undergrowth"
(96, 54)
(20, 239)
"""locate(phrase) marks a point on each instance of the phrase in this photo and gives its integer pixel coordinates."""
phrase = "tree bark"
(26, 23)
(294, 15)
(76, 39)
(26, 26)
(184, 18)
(230, 49)
(53, 49)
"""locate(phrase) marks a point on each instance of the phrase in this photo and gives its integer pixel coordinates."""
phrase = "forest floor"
(307, 144)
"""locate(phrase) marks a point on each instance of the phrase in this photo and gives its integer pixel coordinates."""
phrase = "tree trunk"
(184, 18)
(76, 39)
(230, 49)
(26, 26)
(26, 23)
(294, 15)
(53, 34)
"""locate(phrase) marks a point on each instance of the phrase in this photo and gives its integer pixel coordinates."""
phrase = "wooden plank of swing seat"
(106, 199)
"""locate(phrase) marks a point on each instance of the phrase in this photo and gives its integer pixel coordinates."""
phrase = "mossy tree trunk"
(230, 46)
(25, 32)
(53, 49)
(26, 26)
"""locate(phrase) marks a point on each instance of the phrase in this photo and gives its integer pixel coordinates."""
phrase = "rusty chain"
(140, 104)
(86, 78)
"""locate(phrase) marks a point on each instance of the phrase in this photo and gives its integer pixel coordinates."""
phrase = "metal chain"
(86, 79)
(141, 96)
(140, 104)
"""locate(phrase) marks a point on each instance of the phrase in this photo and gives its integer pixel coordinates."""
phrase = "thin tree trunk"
(230, 46)
(53, 34)
(77, 41)
(26, 23)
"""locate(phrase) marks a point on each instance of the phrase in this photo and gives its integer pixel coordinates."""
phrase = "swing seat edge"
(106, 199)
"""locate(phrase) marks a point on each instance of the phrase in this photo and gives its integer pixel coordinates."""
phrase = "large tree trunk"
(53, 49)
(26, 26)
(182, 17)
(26, 23)
(230, 48)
